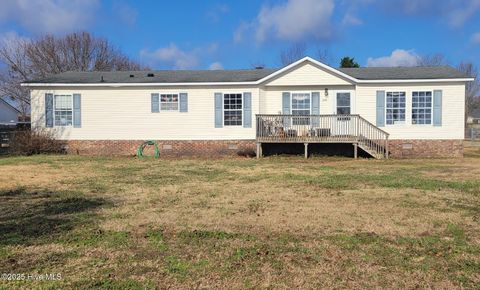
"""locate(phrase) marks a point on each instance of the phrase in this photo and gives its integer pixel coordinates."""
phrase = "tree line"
(30, 59)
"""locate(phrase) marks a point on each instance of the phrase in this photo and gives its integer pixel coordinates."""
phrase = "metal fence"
(473, 133)
(7, 134)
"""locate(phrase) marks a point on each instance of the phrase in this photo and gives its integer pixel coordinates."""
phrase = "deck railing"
(323, 129)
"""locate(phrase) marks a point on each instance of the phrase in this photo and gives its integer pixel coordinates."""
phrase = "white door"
(343, 106)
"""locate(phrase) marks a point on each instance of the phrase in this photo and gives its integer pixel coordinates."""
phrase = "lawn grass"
(279, 222)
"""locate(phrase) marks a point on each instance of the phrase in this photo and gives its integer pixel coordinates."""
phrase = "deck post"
(259, 150)
(386, 148)
(355, 150)
(306, 150)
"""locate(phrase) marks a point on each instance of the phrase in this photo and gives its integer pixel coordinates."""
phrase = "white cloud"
(455, 12)
(176, 58)
(293, 20)
(125, 12)
(49, 16)
(215, 66)
(399, 57)
(351, 20)
(463, 12)
(476, 38)
(217, 12)
(239, 34)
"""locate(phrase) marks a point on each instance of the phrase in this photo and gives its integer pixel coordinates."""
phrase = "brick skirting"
(211, 148)
(425, 148)
(203, 148)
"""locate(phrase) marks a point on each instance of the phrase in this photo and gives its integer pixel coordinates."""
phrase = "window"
(422, 108)
(301, 107)
(395, 108)
(232, 114)
(63, 108)
(343, 104)
(169, 102)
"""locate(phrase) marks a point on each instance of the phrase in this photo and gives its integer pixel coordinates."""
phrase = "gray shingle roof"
(248, 75)
(403, 73)
(9, 105)
(173, 76)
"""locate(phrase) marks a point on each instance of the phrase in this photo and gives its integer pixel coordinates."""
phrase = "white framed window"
(344, 105)
(63, 110)
(168, 102)
(422, 108)
(395, 111)
(301, 106)
(232, 109)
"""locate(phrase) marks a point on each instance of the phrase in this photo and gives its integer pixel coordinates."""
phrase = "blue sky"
(239, 34)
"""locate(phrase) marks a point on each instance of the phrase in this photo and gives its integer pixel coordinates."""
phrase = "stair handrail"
(378, 148)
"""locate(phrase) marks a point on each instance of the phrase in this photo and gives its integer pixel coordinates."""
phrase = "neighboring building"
(474, 117)
(8, 113)
(420, 110)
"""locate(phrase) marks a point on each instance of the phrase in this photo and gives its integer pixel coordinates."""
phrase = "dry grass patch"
(274, 223)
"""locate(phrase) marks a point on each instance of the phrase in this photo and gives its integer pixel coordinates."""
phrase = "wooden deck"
(308, 129)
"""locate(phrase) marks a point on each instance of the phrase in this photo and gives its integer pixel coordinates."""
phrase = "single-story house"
(8, 113)
(403, 111)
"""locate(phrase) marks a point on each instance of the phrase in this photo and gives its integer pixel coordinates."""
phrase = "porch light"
(326, 92)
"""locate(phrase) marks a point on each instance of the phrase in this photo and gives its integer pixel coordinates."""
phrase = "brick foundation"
(425, 148)
(211, 148)
(204, 148)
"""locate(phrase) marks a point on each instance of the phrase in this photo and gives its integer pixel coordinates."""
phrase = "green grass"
(122, 223)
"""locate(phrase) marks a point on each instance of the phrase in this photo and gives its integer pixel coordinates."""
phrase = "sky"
(214, 34)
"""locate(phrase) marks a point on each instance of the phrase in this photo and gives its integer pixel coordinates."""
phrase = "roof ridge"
(396, 67)
(172, 70)
(10, 105)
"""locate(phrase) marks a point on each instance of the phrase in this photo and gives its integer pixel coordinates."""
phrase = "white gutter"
(115, 85)
(415, 81)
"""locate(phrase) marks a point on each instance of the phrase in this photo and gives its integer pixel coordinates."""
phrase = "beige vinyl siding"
(125, 114)
(453, 107)
(273, 97)
(308, 74)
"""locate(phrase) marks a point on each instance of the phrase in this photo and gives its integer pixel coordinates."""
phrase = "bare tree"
(293, 53)
(323, 55)
(472, 89)
(32, 59)
(436, 59)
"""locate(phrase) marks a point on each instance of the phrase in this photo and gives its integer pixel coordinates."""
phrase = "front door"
(343, 106)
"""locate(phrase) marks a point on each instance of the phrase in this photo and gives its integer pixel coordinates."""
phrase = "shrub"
(36, 142)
